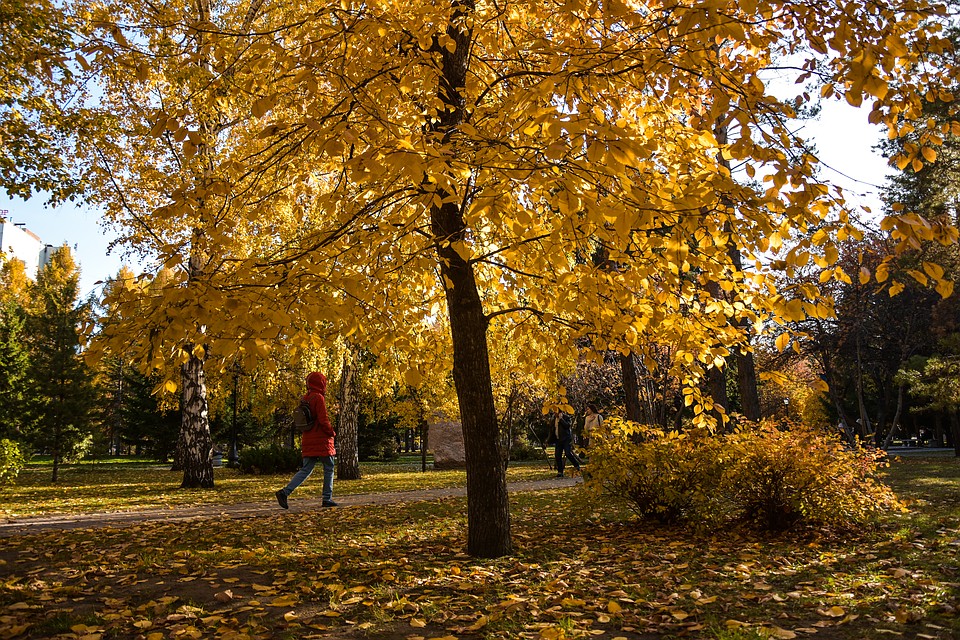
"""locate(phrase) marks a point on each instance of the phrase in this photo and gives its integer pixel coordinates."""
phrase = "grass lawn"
(582, 568)
(91, 487)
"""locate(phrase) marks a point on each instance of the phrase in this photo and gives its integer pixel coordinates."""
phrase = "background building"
(16, 241)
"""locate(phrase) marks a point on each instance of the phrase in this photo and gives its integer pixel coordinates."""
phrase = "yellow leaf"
(929, 154)
(169, 386)
(945, 288)
(933, 270)
(777, 632)
(479, 624)
(417, 622)
(614, 607)
(412, 377)
(895, 288)
(833, 612)
(782, 341)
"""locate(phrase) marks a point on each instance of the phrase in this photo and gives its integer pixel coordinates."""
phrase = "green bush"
(12, 461)
(761, 476)
(524, 450)
(269, 460)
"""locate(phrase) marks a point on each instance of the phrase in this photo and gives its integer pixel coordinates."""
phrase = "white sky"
(843, 136)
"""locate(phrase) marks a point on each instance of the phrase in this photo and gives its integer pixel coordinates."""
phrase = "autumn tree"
(176, 171)
(355, 167)
(37, 115)
(491, 146)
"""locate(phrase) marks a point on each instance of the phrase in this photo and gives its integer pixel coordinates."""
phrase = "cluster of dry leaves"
(396, 571)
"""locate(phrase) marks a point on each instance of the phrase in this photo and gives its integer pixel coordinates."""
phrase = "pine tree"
(13, 355)
(60, 383)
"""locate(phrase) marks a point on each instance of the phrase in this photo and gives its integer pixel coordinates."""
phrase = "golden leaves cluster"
(285, 172)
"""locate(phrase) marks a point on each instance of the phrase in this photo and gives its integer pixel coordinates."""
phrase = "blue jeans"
(564, 448)
(309, 462)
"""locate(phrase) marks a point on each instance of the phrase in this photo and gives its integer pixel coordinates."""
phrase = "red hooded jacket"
(318, 441)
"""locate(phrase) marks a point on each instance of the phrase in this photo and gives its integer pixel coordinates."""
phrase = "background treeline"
(891, 365)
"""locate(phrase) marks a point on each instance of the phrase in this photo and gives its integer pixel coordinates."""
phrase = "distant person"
(316, 444)
(563, 442)
(591, 425)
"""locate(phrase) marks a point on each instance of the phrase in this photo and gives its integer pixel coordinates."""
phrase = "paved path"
(26, 526)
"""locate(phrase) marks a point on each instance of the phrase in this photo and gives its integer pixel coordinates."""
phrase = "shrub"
(782, 478)
(269, 460)
(524, 450)
(761, 476)
(667, 476)
(12, 461)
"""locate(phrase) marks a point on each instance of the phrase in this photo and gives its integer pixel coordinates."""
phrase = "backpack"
(303, 417)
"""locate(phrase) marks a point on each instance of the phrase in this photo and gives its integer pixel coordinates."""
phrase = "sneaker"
(559, 475)
(282, 499)
(329, 503)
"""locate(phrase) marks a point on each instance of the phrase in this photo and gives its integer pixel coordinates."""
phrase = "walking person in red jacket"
(316, 445)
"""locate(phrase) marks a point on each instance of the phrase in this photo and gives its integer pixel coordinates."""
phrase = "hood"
(316, 381)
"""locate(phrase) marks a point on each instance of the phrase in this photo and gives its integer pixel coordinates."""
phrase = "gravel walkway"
(27, 526)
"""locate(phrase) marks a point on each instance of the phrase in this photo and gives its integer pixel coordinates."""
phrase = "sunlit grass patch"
(97, 487)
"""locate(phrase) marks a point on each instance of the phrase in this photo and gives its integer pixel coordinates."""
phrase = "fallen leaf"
(223, 596)
(479, 624)
(784, 634)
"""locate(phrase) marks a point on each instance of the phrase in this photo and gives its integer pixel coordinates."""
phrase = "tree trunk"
(865, 426)
(746, 368)
(717, 385)
(631, 388)
(197, 450)
(56, 453)
(895, 426)
(348, 456)
(424, 442)
(488, 507)
(835, 397)
(747, 384)
(955, 432)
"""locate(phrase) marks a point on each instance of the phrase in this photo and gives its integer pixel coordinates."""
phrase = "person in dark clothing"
(563, 442)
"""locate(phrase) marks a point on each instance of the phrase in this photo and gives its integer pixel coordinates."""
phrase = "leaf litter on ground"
(582, 568)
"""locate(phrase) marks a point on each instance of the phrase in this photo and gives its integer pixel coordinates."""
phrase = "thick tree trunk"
(747, 385)
(348, 456)
(488, 507)
(195, 428)
(717, 386)
(746, 368)
(631, 388)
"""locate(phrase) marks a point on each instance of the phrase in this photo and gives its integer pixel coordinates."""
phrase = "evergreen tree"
(13, 355)
(147, 425)
(61, 385)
